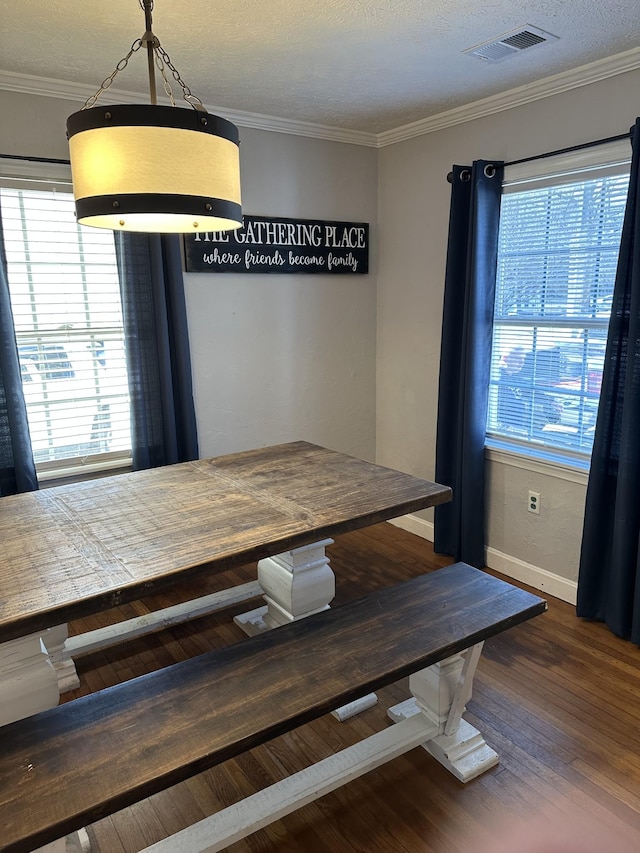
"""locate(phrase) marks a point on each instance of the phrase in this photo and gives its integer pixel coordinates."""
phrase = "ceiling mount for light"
(154, 168)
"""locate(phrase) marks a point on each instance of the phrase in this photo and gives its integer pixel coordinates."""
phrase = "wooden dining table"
(72, 550)
(77, 549)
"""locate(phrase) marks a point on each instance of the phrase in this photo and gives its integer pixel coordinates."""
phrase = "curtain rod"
(571, 148)
(35, 159)
(512, 163)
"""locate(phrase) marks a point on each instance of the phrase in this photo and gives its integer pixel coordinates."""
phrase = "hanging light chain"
(165, 82)
(90, 102)
(162, 61)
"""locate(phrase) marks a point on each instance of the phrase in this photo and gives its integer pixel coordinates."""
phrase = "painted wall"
(275, 358)
(282, 357)
(414, 208)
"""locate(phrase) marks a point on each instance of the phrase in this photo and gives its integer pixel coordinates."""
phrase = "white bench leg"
(296, 584)
(441, 692)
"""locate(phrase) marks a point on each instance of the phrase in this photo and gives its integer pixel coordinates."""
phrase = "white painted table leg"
(441, 692)
(295, 585)
(55, 639)
(28, 680)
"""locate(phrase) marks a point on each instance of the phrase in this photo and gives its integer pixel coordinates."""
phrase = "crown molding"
(79, 92)
(545, 88)
(299, 128)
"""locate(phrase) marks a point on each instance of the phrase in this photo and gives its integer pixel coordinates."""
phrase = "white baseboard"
(512, 567)
(534, 576)
(416, 525)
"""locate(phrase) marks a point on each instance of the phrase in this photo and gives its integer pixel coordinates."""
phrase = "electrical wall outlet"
(533, 502)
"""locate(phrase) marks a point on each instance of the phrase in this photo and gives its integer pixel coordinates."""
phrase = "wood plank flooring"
(558, 698)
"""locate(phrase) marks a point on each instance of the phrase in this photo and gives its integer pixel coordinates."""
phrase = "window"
(557, 256)
(65, 295)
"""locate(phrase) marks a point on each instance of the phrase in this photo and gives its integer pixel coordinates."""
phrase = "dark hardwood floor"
(558, 698)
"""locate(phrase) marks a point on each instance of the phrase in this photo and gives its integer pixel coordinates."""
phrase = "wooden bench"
(74, 764)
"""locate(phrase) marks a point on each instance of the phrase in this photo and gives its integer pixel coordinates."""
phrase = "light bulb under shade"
(155, 169)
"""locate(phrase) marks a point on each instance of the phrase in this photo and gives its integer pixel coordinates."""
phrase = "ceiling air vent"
(511, 43)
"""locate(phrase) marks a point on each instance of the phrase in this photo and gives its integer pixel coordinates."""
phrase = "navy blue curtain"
(609, 575)
(465, 357)
(163, 421)
(17, 470)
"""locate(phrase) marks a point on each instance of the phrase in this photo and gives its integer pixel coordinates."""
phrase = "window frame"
(44, 175)
(613, 158)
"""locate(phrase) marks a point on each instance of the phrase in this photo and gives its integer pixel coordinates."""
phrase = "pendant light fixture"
(154, 168)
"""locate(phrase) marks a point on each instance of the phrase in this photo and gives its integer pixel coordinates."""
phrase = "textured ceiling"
(369, 65)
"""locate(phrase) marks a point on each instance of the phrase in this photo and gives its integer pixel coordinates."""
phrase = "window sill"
(83, 468)
(558, 466)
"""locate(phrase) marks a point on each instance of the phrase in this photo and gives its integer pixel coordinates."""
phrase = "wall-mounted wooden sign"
(277, 245)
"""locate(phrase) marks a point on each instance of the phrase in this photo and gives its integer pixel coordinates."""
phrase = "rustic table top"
(76, 549)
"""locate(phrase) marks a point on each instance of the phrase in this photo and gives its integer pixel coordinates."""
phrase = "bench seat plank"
(75, 764)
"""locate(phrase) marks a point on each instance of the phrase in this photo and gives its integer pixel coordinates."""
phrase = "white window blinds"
(557, 256)
(65, 297)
